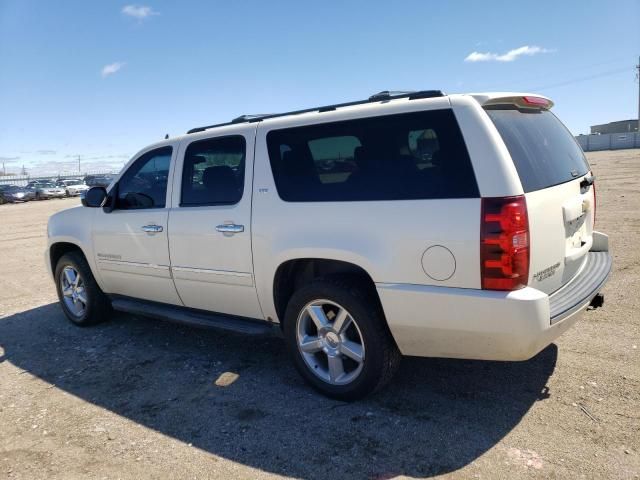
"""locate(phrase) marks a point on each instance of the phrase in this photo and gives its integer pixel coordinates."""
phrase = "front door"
(210, 224)
(131, 245)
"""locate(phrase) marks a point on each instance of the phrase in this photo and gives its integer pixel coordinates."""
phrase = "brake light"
(504, 243)
(536, 101)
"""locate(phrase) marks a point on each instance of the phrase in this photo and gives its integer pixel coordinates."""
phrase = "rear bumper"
(432, 321)
(582, 288)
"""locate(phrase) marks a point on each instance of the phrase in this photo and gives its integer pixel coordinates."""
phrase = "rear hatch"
(558, 186)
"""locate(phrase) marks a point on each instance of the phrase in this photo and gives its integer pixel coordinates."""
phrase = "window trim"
(143, 157)
(390, 116)
(181, 204)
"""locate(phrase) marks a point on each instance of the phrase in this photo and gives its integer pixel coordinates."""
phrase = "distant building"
(621, 126)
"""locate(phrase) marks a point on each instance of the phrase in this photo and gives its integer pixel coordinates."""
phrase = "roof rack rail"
(251, 118)
(383, 96)
(389, 95)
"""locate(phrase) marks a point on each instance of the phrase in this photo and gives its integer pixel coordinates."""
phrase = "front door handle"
(230, 228)
(152, 228)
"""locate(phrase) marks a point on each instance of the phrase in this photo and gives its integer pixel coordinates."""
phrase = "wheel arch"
(58, 249)
(294, 273)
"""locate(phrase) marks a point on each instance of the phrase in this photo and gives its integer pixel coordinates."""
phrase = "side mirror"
(95, 197)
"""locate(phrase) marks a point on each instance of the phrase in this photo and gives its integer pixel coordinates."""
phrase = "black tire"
(382, 357)
(98, 306)
(38, 196)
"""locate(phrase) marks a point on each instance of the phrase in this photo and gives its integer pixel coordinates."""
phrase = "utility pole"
(79, 171)
(638, 77)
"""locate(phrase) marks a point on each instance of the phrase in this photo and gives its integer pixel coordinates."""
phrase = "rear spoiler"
(519, 100)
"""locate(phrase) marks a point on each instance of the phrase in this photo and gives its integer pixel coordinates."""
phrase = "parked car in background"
(76, 189)
(33, 183)
(73, 187)
(2, 189)
(44, 191)
(14, 194)
(103, 180)
(63, 182)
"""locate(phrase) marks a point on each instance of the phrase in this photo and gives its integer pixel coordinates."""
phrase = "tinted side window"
(543, 150)
(409, 156)
(213, 172)
(144, 185)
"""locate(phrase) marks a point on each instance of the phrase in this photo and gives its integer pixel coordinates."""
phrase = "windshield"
(543, 150)
(47, 185)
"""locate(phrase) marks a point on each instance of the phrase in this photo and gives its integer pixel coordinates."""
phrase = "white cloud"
(111, 68)
(139, 12)
(510, 56)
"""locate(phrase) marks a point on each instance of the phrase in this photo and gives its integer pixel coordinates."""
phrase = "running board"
(193, 317)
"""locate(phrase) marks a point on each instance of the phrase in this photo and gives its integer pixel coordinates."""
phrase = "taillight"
(504, 243)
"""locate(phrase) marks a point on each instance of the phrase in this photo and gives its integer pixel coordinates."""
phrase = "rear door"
(557, 182)
(210, 223)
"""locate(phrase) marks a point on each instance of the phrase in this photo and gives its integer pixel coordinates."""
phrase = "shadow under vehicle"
(438, 416)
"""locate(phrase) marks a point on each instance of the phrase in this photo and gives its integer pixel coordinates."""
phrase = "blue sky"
(101, 79)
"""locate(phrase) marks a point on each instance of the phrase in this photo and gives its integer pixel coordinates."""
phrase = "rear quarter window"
(542, 149)
(410, 156)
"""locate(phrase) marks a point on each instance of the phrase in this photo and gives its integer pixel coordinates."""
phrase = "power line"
(581, 79)
(593, 67)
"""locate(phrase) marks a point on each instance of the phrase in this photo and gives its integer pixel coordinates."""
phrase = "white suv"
(406, 224)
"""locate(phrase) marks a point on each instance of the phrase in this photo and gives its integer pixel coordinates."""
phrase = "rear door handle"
(152, 228)
(230, 228)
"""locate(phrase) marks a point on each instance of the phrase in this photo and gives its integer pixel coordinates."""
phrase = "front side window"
(410, 156)
(213, 172)
(144, 185)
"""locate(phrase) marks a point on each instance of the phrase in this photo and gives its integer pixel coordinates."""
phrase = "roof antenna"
(166, 136)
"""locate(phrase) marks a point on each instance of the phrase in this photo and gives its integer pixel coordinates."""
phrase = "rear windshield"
(397, 157)
(543, 150)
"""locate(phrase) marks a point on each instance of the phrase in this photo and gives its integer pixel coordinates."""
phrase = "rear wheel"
(338, 338)
(80, 297)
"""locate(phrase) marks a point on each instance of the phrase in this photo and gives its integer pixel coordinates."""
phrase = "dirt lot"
(136, 398)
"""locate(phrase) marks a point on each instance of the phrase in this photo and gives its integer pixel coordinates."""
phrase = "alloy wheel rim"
(73, 291)
(330, 342)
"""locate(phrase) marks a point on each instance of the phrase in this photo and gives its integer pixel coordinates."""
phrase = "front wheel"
(80, 297)
(338, 338)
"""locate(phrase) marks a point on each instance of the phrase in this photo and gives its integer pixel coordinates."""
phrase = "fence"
(22, 180)
(609, 141)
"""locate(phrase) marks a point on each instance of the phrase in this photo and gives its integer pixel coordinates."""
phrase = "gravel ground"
(137, 398)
